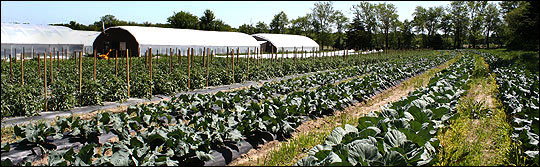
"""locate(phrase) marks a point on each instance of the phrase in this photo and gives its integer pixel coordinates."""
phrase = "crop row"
(404, 132)
(519, 94)
(188, 128)
(110, 84)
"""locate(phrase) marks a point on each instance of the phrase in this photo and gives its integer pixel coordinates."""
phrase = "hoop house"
(139, 39)
(42, 38)
(286, 42)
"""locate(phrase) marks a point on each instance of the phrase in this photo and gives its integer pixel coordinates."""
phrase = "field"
(450, 91)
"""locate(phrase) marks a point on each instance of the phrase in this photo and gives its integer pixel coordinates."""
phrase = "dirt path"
(327, 123)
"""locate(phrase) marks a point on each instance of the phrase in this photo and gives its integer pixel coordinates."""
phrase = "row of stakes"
(207, 60)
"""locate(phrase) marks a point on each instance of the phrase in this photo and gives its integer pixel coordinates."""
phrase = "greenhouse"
(286, 42)
(43, 38)
(87, 39)
(161, 40)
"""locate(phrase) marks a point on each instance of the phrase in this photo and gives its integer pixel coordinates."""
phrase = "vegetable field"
(216, 128)
(106, 80)
(189, 129)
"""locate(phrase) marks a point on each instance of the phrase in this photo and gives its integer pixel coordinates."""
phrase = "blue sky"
(234, 13)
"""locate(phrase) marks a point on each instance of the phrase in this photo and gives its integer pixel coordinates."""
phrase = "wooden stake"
(233, 65)
(189, 68)
(116, 62)
(80, 76)
(51, 56)
(57, 61)
(227, 59)
(150, 65)
(94, 64)
(248, 65)
(10, 70)
(207, 64)
(22, 68)
(45, 84)
(127, 69)
(170, 60)
(39, 65)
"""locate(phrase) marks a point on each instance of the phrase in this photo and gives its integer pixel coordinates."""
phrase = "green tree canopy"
(184, 20)
(279, 23)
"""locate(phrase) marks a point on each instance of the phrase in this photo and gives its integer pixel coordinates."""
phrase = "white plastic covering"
(43, 38)
(86, 38)
(289, 42)
(164, 38)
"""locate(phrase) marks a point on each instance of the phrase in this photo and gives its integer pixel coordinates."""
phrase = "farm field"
(313, 96)
(326, 83)
(199, 129)
(169, 76)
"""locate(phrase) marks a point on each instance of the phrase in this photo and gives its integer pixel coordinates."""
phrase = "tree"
(207, 20)
(323, 14)
(219, 25)
(522, 26)
(246, 28)
(428, 20)
(279, 23)
(446, 26)
(341, 21)
(386, 14)
(366, 13)
(261, 27)
(477, 9)
(459, 21)
(108, 21)
(357, 36)
(406, 33)
(76, 26)
(492, 21)
(300, 25)
(184, 20)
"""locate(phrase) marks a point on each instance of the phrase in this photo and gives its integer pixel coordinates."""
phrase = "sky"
(234, 13)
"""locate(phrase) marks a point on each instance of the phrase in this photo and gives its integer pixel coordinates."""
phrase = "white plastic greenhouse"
(138, 39)
(87, 39)
(286, 42)
(43, 38)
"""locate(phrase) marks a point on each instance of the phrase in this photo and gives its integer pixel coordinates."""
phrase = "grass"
(529, 59)
(480, 135)
(289, 152)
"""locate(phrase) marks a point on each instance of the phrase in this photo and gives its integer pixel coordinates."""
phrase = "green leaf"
(322, 154)
(68, 156)
(18, 131)
(5, 147)
(335, 136)
(204, 156)
(331, 158)
(394, 138)
(307, 161)
(418, 115)
(394, 158)
(120, 158)
(361, 151)
(86, 153)
(318, 148)
(7, 162)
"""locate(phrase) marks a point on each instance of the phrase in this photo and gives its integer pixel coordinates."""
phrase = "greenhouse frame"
(286, 42)
(139, 39)
(43, 38)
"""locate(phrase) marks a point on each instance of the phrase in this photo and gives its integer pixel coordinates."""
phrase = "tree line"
(461, 24)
